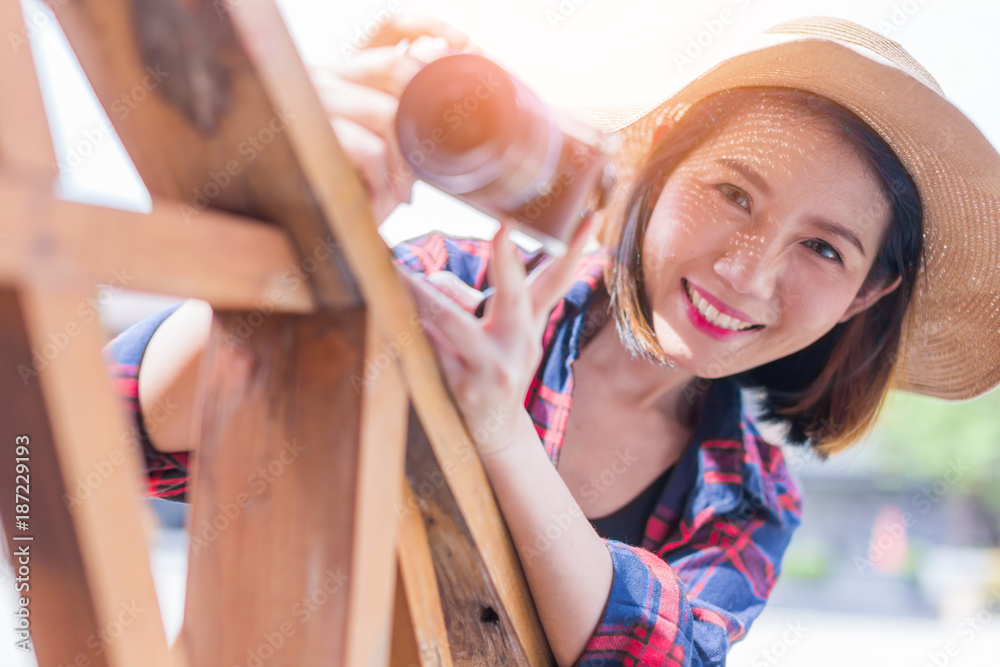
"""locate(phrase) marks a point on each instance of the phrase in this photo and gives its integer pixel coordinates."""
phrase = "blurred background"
(899, 554)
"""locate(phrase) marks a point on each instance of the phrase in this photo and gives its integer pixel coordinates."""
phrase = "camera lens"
(464, 125)
(470, 129)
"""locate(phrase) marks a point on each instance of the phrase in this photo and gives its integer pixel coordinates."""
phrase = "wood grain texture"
(230, 261)
(91, 590)
(381, 459)
(195, 119)
(25, 143)
(403, 651)
(420, 637)
(480, 629)
(271, 557)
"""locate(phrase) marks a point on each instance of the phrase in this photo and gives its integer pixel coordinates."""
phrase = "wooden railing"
(336, 561)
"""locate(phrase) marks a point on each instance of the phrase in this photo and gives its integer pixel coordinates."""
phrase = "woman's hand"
(489, 363)
(361, 99)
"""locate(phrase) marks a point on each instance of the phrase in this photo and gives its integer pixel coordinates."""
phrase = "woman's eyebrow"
(840, 230)
(827, 226)
(747, 172)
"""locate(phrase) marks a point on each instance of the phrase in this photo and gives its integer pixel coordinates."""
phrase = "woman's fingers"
(388, 183)
(386, 69)
(364, 105)
(549, 283)
(410, 27)
(447, 282)
(506, 273)
(460, 329)
(375, 152)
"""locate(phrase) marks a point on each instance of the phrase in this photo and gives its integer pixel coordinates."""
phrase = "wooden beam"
(271, 563)
(339, 193)
(91, 592)
(381, 458)
(480, 627)
(25, 144)
(196, 121)
(227, 260)
(420, 637)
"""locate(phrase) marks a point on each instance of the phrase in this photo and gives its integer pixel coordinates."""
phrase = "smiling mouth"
(712, 315)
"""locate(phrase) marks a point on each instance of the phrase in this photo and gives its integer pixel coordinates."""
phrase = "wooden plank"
(61, 609)
(420, 636)
(230, 261)
(194, 118)
(91, 593)
(480, 628)
(25, 143)
(339, 192)
(381, 457)
(404, 651)
(270, 559)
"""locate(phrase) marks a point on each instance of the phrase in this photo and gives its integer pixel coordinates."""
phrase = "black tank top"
(628, 524)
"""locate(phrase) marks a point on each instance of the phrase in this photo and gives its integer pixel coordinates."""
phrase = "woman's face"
(760, 242)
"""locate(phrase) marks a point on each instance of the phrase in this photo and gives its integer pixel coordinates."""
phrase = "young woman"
(798, 230)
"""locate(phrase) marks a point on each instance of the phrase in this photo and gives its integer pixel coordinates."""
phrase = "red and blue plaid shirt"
(712, 548)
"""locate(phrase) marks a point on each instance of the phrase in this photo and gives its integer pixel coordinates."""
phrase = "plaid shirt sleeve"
(167, 474)
(687, 603)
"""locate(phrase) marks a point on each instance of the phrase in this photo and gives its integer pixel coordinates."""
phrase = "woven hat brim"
(952, 341)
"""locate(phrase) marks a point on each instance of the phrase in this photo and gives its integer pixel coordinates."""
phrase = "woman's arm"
(603, 602)
(567, 564)
(168, 378)
(167, 472)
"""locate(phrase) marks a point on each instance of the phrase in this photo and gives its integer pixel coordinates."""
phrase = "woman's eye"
(824, 250)
(735, 195)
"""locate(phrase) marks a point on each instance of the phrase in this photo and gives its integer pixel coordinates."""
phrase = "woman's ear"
(868, 297)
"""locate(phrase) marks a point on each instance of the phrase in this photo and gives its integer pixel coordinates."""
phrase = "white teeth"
(711, 313)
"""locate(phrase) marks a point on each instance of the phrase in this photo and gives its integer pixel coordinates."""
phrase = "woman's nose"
(749, 266)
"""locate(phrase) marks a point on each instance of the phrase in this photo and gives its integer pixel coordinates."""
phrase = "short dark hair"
(828, 394)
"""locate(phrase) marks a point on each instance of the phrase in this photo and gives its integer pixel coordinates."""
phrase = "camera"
(469, 128)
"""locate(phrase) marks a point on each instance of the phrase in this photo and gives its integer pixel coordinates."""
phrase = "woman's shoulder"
(748, 461)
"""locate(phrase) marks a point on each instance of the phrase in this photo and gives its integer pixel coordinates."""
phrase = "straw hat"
(952, 345)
